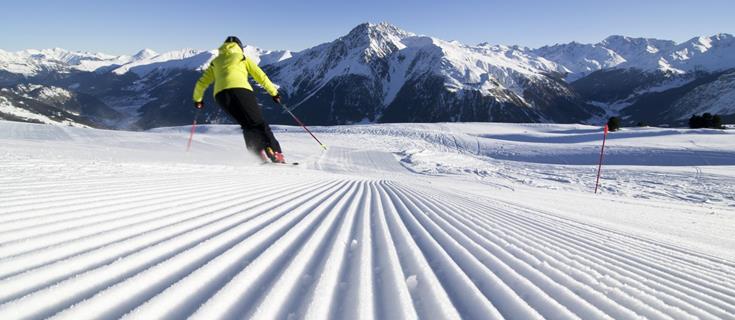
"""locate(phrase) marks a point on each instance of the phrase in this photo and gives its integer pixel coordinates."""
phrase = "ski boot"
(275, 157)
(279, 158)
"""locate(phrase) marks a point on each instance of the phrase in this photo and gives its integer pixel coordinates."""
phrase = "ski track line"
(270, 266)
(629, 287)
(499, 247)
(624, 270)
(354, 302)
(62, 215)
(70, 188)
(318, 261)
(33, 280)
(390, 279)
(54, 186)
(64, 218)
(80, 287)
(510, 239)
(452, 261)
(639, 278)
(41, 250)
(683, 277)
(106, 221)
(61, 185)
(24, 190)
(207, 280)
(357, 302)
(427, 293)
(338, 247)
(41, 208)
(633, 241)
(95, 210)
(82, 200)
(123, 233)
(183, 265)
(520, 279)
(641, 247)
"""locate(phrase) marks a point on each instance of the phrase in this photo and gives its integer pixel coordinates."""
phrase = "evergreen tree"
(695, 122)
(706, 120)
(717, 122)
(613, 124)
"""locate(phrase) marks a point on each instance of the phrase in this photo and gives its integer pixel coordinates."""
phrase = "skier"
(233, 93)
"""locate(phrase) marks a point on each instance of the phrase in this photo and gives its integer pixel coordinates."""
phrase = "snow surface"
(475, 221)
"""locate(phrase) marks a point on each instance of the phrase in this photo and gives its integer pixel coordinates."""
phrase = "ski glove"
(199, 105)
(277, 98)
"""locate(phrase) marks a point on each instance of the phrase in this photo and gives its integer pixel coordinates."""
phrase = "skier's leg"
(270, 139)
(259, 125)
(233, 103)
(253, 140)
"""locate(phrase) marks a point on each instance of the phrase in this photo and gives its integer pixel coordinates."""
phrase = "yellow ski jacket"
(230, 69)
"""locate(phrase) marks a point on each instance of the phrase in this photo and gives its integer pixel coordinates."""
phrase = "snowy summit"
(380, 73)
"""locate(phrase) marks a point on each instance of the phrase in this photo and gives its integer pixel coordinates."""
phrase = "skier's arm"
(203, 83)
(260, 77)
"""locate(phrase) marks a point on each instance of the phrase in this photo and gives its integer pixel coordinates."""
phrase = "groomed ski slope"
(392, 222)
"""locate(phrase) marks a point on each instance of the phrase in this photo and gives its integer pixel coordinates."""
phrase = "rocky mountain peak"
(144, 54)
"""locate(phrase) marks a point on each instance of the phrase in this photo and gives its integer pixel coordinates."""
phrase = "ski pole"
(303, 126)
(193, 128)
(602, 151)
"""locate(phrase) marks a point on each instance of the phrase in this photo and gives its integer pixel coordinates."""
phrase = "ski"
(281, 164)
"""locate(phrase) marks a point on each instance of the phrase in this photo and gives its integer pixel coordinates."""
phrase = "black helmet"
(234, 39)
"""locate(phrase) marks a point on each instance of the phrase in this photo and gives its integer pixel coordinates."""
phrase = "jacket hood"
(230, 48)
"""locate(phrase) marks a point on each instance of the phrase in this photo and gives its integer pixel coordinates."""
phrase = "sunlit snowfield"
(475, 221)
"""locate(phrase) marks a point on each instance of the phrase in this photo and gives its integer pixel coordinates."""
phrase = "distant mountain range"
(380, 73)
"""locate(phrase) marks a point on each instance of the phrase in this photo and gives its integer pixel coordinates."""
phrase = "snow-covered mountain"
(381, 73)
(131, 90)
(147, 61)
(716, 97)
(579, 59)
(643, 79)
(54, 105)
(34, 62)
(378, 72)
(709, 54)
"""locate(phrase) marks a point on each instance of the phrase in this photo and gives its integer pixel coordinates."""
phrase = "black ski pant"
(241, 105)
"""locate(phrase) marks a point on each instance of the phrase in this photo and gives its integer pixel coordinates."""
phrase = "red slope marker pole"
(303, 126)
(602, 152)
(193, 128)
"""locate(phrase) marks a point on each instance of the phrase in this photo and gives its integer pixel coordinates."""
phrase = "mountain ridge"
(382, 73)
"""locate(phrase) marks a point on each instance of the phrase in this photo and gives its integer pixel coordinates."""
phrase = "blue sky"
(124, 27)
